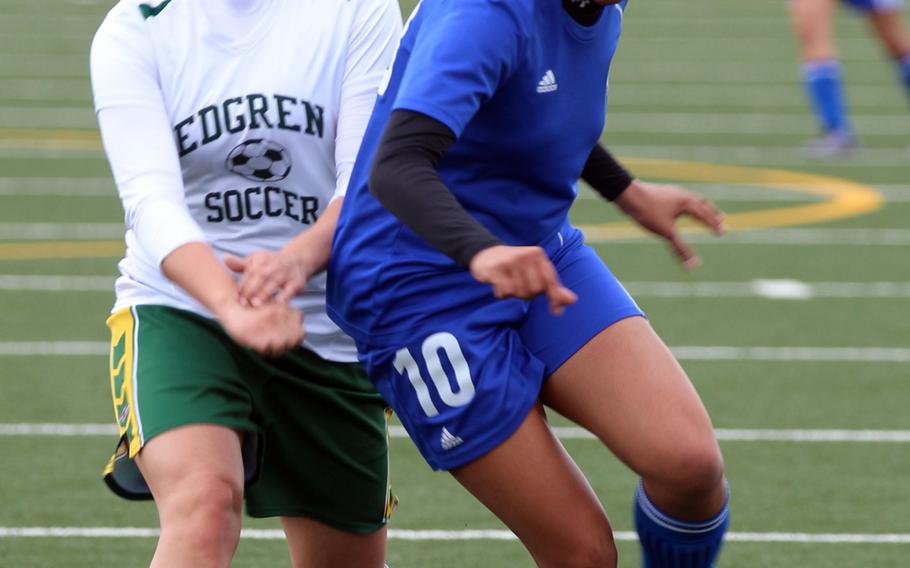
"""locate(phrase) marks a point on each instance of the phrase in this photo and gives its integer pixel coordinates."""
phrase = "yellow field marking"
(61, 249)
(844, 198)
(48, 139)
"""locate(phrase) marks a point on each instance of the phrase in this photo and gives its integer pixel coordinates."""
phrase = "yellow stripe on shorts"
(123, 342)
(391, 499)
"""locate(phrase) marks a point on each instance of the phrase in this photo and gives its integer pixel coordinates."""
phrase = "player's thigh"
(626, 387)
(194, 466)
(325, 450)
(609, 372)
(171, 369)
(889, 26)
(316, 545)
(534, 487)
(813, 23)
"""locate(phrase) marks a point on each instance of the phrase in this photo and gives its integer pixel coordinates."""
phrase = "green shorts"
(315, 442)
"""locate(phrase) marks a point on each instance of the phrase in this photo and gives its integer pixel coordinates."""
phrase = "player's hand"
(521, 272)
(657, 207)
(269, 329)
(267, 275)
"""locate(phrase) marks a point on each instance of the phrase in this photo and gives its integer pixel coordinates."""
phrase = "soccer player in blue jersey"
(813, 21)
(474, 302)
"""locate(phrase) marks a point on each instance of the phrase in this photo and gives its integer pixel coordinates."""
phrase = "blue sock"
(673, 543)
(903, 66)
(824, 85)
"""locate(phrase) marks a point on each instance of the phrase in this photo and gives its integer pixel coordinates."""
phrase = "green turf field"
(796, 334)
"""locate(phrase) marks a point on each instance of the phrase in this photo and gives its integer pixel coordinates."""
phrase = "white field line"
(57, 187)
(784, 237)
(44, 231)
(814, 354)
(52, 348)
(781, 237)
(449, 535)
(17, 152)
(563, 432)
(683, 353)
(772, 289)
(30, 283)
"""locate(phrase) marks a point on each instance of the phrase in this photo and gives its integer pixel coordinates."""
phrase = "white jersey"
(235, 122)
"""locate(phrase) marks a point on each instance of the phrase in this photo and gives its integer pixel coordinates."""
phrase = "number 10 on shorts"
(406, 365)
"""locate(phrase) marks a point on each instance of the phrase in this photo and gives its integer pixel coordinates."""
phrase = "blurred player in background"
(231, 126)
(813, 21)
(474, 302)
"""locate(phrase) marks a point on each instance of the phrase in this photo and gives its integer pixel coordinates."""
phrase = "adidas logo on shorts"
(448, 440)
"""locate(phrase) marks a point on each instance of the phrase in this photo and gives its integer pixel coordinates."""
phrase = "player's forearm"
(312, 247)
(195, 268)
(404, 179)
(606, 175)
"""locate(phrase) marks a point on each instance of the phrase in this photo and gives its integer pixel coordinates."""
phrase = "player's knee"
(206, 511)
(697, 471)
(601, 553)
(596, 551)
(591, 546)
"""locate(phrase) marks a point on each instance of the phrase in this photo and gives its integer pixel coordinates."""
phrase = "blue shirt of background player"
(523, 87)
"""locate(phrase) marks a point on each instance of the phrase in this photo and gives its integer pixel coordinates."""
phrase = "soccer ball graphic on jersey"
(259, 160)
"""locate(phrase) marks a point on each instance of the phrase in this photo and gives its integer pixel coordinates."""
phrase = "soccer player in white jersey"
(232, 126)
(813, 23)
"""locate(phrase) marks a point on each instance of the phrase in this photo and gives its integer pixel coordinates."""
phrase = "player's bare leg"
(196, 477)
(813, 22)
(625, 387)
(890, 30)
(534, 487)
(316, 545)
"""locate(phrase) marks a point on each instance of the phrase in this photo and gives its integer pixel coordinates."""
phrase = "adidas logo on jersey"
(448, 440)
(548, 83)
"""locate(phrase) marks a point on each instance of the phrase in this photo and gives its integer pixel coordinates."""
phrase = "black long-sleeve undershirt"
(604, 174)
(404, 180)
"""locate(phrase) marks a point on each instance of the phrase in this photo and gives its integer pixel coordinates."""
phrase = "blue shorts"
(875, 5)
(467, 370)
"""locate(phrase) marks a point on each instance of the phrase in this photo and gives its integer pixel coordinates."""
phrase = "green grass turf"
(694, 79)
(820, 485)
(50, 209)
(793, 395)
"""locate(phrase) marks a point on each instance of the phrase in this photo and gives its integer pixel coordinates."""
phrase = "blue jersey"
(523, 87)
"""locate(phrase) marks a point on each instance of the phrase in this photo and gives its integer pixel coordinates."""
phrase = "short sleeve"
(461, 55)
